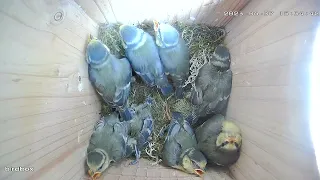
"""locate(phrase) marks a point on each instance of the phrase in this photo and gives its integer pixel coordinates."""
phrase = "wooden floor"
(145, 171)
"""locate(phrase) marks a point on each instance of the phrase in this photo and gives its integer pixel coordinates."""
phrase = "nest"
(201, 40)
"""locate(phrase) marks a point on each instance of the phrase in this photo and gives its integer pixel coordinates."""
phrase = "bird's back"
(110, 75)
(176, 59)
(216, 89)
(144, 56)
(112, 138)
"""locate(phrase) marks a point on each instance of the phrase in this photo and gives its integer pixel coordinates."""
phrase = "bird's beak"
(231, 139)
(199, 172)
(155, 25)
(96, 175)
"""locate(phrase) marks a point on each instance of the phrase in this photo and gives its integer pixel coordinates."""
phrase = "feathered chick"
(143, 55)
(220, 140)
(180, 148)
(141, 125)
(110, 142)
(174, 54)
(110, 76)
(213, 84)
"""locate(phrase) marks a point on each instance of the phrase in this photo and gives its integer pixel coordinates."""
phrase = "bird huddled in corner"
(110, 76)
(110, 142)
(219, 140)
(213, 84)
(174, 54)
(141, 125)
(143, 55)
(180, 148)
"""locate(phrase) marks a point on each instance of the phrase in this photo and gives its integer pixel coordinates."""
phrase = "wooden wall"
(132, 11)
(270, 62)
(47, 105)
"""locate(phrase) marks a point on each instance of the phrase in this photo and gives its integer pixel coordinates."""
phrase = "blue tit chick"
(110, 142)
(220, 140)
(174, 54)
(143, 55)
(180, 148)
(213, 84)
(141, 125)
(110, 76)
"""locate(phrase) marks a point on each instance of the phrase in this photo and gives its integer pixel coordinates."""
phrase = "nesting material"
(201, 41)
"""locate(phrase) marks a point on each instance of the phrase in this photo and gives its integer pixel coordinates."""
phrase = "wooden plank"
(34, 123)
(250, 169)
(57, 168)
(265, 57)
(75, 170)
(92, 10)
(289, 74)
(39, 16)
(270, 62)
(43, 139)
(268, 27)
(46, 104)
(49, 153)
(28, 86)
(106, 9)
(285, 120)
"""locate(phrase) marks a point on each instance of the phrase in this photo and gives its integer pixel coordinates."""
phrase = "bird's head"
(97, 161)
(221, 57)
(97, 52)
(194, 162)
(230, 138)
(166, 35)
(131, 35)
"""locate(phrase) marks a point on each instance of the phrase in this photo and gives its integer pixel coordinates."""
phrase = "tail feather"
(145, 132)
(192, 118)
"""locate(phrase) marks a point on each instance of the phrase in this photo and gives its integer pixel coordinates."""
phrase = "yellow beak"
(199, 172)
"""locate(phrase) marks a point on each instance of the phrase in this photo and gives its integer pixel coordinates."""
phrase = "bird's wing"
(96, 77)
(172, 149)
(211, 128)
(123, 82)
(145, 132)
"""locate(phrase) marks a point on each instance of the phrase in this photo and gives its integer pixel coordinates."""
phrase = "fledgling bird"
(213, 84)
(110, 142)
(141, 125)
(174, 54)
(219, 140)
(143, 55)
(110, 76)
(180, 147)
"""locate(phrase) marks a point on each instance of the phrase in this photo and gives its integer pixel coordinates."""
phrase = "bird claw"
(138, 153)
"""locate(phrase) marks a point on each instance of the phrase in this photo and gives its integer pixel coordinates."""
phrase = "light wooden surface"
(47, 105)
(128, 11)
(269, 100)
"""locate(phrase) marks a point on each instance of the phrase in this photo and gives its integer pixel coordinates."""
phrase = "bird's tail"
(145, 133)
(179, 92)
(164, 85)
(192, 118)
(126, 114)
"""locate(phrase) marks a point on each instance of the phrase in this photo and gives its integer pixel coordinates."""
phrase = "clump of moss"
(109, 34)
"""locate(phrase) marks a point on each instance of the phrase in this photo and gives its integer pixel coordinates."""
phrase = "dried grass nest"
(201, 40)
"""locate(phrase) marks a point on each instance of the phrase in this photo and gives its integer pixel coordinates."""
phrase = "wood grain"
(269, 100)
(47, 105)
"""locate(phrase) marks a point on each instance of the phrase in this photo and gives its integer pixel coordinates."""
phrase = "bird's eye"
(236, 144)
(224, 143)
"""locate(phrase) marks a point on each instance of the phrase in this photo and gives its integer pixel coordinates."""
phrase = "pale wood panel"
(92, 10)
(47, 104)
(200, 11)
(269, 101)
